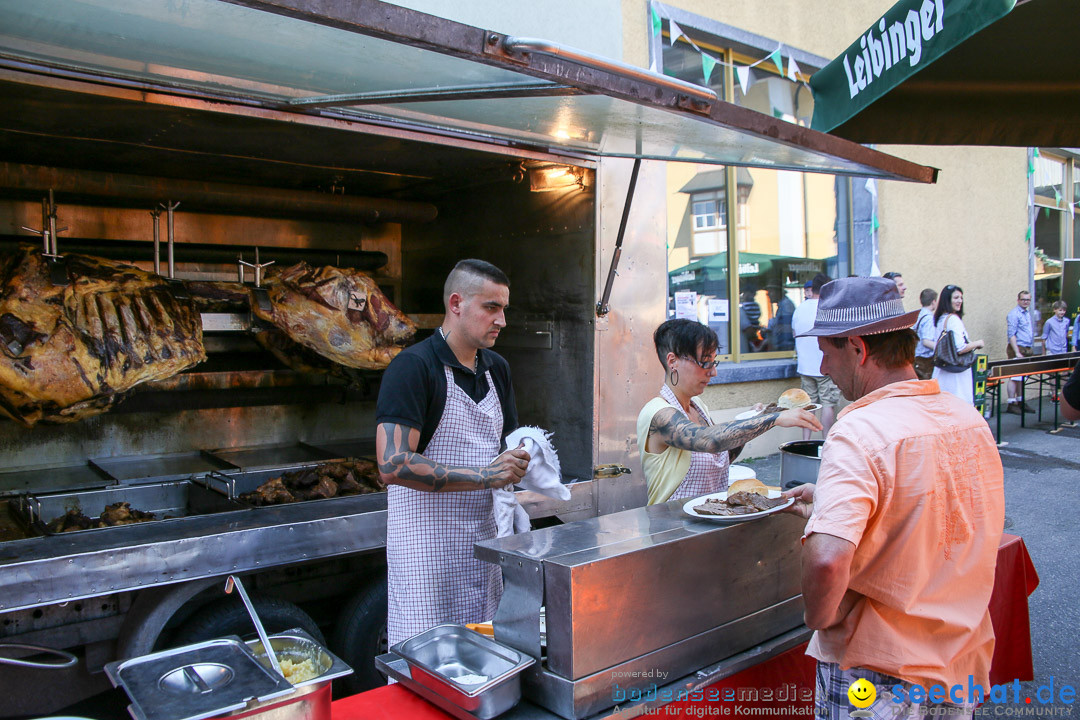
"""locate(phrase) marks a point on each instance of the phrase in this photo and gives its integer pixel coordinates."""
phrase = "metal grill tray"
(56, 478)
(160, 467)
(233, 484)
(175, 499)
(261, 457)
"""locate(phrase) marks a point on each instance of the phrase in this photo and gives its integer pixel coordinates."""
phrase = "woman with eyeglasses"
(683, 453)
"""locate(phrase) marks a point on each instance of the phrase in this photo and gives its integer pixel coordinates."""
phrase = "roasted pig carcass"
(339, 313)
(70, 350)
(297, 357)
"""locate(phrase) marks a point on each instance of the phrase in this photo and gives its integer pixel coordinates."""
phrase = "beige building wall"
(968, 229)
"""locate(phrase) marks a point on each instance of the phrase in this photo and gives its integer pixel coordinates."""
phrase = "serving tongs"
(234, 581)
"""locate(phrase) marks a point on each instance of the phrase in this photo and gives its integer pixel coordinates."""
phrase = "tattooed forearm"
(674, 429)
(400, 464)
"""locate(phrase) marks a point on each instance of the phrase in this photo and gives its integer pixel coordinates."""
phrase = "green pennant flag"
(1031, 167)
(1046, 212)
(874, 222)
(1027, 235)
(1035, 152)
(1057, 196)
(779, 61)
(708, 62)
(656, 24)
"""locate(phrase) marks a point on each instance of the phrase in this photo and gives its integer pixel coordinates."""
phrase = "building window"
(789, 225)
(708, 214)
(1055, 224)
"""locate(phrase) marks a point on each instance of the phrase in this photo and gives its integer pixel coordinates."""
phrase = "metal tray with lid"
(474, 672)
(196, 681)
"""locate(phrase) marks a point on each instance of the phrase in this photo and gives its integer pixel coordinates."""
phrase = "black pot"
(800, 461)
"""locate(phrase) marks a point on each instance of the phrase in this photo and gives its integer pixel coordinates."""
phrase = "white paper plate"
(754, 413)
(689, 505)
(740, 472)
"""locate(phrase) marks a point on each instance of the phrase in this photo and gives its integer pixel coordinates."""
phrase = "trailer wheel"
(360, 635)
(228, 616)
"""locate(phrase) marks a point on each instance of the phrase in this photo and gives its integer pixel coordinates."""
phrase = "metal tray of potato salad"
(471, 671)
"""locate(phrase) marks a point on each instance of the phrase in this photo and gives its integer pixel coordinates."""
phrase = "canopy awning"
(365, 63)
(957, 72)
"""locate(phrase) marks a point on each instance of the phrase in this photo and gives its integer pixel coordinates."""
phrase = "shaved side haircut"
(468, 276)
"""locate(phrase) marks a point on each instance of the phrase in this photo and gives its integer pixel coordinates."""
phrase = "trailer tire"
(228, 616)
(360, 635)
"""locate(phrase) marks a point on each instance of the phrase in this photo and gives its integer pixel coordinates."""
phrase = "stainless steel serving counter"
(697, 591)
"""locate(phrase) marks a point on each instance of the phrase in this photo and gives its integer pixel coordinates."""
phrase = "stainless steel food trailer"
(188, 137)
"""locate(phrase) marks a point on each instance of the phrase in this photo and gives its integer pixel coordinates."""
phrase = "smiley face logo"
(862, 693)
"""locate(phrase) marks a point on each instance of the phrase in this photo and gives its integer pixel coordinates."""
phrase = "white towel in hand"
(543, 475)
(510, 517)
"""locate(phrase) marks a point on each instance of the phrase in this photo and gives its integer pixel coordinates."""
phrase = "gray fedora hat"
(855, 306)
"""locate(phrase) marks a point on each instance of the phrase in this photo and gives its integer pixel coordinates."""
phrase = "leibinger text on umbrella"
(900, 40)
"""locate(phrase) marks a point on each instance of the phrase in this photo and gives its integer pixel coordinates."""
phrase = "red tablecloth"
(788, 678)
(1014, 580)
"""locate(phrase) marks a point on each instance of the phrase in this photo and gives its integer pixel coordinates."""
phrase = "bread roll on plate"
(752, 485)
(793, 398)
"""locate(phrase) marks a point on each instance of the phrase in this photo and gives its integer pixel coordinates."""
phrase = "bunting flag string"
(709, 62)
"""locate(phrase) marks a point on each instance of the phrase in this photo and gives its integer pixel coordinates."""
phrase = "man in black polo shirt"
(445, 405)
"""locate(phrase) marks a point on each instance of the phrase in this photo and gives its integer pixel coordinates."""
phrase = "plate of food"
(744, 500)
(788, 400)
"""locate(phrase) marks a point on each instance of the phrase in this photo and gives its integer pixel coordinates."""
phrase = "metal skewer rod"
(52, 221)
(234, 581)
(156, 215)
(170, 229)
(45, 227)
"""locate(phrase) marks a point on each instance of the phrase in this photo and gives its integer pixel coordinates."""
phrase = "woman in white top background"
(949, 317)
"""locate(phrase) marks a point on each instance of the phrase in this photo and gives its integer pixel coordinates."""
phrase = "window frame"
(739, 45)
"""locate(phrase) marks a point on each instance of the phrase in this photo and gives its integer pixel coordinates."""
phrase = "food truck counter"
(772, 672)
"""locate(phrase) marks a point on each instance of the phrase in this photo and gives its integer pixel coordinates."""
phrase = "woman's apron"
(433, 577)
(708, 472)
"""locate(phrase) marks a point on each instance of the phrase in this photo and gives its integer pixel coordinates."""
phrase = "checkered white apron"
(433, 577)
(708, 472)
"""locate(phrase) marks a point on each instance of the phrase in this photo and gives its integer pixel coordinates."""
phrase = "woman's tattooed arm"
(674, 429)
(400, 464)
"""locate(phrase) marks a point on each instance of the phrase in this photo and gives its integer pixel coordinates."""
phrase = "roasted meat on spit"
(339, 313)
(69, 351)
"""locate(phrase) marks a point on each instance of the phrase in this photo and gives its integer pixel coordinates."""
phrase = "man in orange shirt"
(904, 522)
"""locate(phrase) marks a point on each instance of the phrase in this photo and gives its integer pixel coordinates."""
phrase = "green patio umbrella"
(957, 72)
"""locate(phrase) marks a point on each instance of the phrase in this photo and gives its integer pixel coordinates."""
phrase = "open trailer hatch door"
(368, 61)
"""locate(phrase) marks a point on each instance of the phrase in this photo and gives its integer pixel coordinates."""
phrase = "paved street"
(1042, 474)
